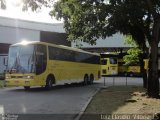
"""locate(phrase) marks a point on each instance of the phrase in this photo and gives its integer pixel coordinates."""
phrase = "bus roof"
(103, 55)
(54, 45)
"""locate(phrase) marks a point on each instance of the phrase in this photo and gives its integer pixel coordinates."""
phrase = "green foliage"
(133, 54)
(88, 20)
(130, 41)
(35, 4)
(80, 18)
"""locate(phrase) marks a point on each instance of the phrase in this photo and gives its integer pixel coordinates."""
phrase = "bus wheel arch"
(50, 81)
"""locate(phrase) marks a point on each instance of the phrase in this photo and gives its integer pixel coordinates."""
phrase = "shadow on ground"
(56, 87)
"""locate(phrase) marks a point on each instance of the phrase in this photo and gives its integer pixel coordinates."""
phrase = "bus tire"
(131, 74)
(126, 74)
(91, 79)
(26, 87)
(49, 83)
(86, 79)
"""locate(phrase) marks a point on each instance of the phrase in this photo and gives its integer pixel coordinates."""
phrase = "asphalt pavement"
(61, 102)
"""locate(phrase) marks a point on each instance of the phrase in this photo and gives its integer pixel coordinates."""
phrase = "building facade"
(115, 43)
(13, 31)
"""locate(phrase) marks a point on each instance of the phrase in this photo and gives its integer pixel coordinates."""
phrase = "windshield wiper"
(29, 70)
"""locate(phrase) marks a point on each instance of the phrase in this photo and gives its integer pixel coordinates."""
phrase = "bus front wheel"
(49, 83)
(131, 74)
(86, 79)
(26, 87)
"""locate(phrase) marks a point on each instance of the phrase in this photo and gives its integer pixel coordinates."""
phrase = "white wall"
(15, 30)
(117, 40)
(13, 35)
(11, 22)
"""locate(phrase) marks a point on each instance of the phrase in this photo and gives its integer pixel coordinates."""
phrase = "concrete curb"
(86, 104)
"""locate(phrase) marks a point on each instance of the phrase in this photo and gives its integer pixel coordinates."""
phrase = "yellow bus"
(44, 64)
(122, 68)
(109, 64)
(134, 69)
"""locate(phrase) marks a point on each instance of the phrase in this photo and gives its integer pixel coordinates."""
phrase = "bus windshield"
(21, 59)
(113, 60)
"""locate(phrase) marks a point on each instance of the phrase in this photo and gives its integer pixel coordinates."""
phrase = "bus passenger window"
(103, 62)
(113, 61)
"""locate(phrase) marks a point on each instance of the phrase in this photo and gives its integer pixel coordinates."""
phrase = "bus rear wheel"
(91, 79)
(26, 87)
(131, 74)
(49, 83)
(86, 79)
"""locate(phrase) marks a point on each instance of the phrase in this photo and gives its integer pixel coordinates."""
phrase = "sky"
(16, 12)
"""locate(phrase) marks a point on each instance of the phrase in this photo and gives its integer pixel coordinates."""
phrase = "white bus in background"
(3, 58)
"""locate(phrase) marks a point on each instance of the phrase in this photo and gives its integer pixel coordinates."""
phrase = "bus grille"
(16, 76)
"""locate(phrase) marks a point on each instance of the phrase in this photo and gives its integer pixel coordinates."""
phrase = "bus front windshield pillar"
(41, 59)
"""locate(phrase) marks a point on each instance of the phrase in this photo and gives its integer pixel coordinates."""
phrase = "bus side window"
(113, 61)
(103, 62)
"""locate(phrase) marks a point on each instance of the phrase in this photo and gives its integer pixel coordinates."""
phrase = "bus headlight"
(8, 77)
(28, 77)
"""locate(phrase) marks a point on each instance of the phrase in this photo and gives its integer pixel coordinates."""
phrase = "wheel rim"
(50, 83)
(91, 79)
(131, 75)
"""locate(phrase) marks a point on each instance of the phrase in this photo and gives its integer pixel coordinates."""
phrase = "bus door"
(113, 66)
(41, 61)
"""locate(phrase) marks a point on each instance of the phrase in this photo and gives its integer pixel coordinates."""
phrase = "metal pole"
(113, 80)
(104, 81)
(126, 80)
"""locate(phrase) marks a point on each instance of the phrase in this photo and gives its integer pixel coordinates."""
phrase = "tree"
(88, 20)
(136, 54)
(133, 53)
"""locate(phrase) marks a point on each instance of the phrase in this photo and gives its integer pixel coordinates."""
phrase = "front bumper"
(19, 82)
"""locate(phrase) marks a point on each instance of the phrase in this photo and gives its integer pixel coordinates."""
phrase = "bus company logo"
(133, 69)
